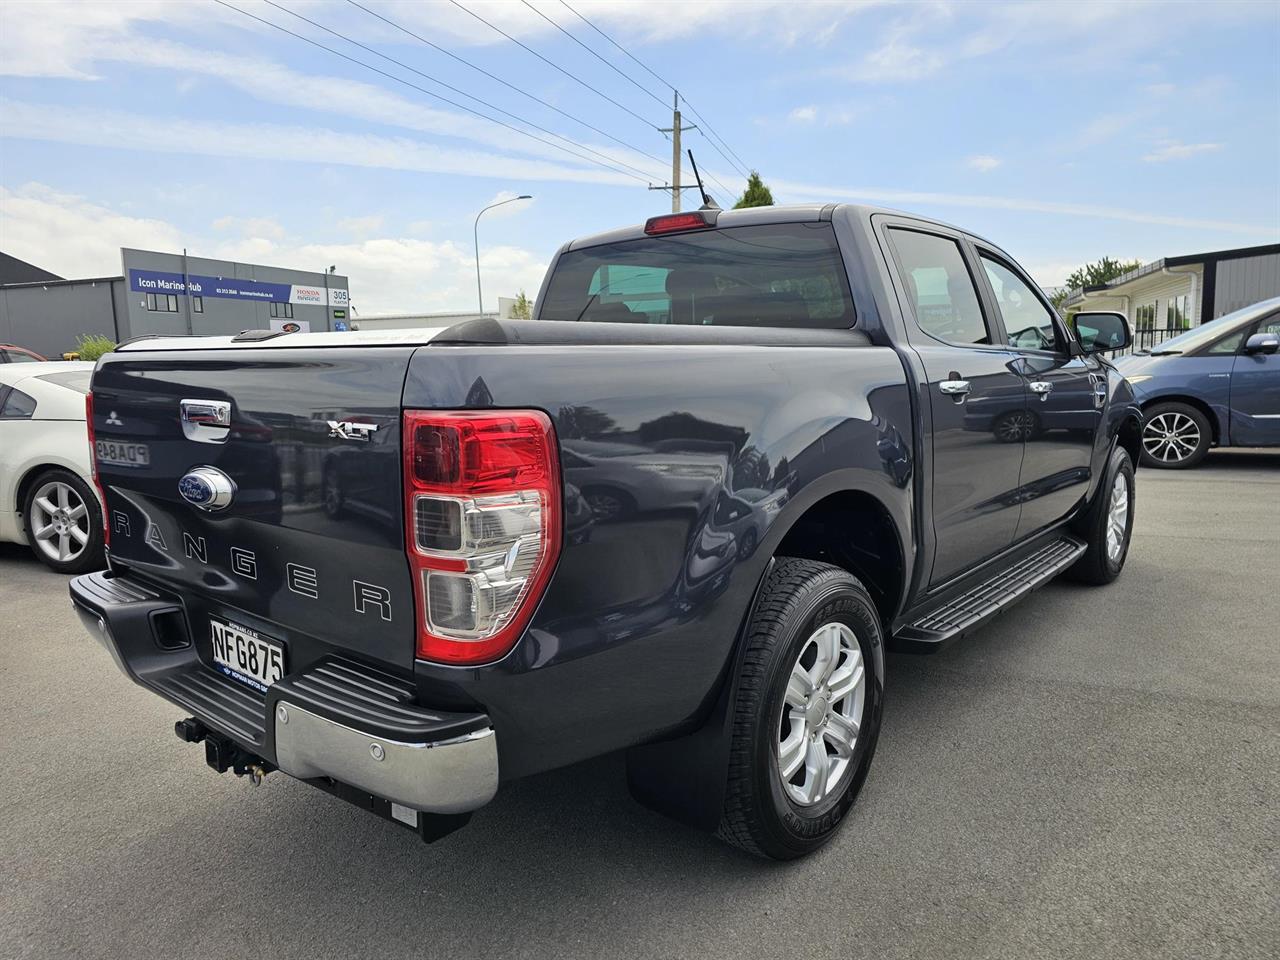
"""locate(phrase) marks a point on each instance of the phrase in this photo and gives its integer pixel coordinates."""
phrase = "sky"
(1061, 131)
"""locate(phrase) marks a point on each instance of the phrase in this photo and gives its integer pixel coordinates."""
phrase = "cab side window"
(940, 287)
(1028, 323)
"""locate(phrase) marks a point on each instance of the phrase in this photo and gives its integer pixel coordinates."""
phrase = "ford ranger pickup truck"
(682, 513)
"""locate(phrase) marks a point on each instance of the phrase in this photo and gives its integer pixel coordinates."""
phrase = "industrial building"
(164, 293)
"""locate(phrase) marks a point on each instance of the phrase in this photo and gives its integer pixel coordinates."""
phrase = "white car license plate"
(123, 454)
(246, 655)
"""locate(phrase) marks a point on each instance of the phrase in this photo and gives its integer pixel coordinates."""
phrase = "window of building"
(1028, 323)
(197, 304)
(1178, 313)
(940, 287)
(282, 310)
(162, 303)
(1144, 316)
(151, 301)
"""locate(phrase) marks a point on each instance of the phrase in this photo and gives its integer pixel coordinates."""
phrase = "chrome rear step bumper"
(336, 720)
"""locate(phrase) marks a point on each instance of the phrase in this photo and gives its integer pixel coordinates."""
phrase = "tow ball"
(222, 754)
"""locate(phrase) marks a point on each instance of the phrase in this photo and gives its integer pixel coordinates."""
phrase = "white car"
(47, 497)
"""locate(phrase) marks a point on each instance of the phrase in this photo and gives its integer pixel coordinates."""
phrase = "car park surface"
(1091, 775)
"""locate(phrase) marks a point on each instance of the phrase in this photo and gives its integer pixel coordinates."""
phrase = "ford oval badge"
(207, 488)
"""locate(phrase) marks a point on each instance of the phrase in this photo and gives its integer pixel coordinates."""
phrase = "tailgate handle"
(206, 421)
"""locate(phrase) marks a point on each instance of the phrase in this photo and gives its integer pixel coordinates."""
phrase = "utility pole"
(675, 130)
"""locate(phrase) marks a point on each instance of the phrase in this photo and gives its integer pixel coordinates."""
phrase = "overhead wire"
(390, 76)
(447, 86)
(510, 86)
(740, 166)
(554, 66)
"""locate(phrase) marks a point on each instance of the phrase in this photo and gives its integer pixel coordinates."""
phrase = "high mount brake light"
(675, 222)
(93, 468)
(482, 527)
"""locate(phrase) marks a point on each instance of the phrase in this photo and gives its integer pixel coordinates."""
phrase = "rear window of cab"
(770, 275)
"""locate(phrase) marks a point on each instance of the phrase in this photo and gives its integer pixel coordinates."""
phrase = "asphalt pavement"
(1097, 774)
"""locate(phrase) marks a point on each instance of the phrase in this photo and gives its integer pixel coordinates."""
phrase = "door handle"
(1041, 387)
(955, 388)
(206, 421)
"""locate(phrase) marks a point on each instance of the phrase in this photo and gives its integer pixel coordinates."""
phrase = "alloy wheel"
(822, 713)
(1170, 437)
(59, 521)
(1117, 517)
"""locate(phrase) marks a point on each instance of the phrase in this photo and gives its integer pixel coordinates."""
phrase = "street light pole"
(476, 232)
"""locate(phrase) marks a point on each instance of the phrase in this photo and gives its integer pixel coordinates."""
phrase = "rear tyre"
(64, 522)
(807, 711)
(1108, 523)
(1175, 436)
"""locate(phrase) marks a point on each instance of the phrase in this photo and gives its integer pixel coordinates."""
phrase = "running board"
(961, 616)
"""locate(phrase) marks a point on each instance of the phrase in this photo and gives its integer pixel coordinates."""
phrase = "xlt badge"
(351, 430)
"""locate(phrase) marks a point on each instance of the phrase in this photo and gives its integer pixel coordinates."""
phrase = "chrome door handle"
(1042, 387)
(955, 388)
(206, 421)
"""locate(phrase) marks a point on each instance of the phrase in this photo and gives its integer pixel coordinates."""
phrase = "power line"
(407, 83)
(510, 86)
(611, 66)
(554, 65)
(447, 86)
(712, 136)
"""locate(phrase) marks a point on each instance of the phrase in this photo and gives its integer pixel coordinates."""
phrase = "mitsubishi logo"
(351, 430)
(113, 420)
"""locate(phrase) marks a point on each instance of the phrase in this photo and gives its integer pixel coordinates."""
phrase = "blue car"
(1217, 385)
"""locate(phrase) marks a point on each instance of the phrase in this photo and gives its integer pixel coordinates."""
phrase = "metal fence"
(1148, 338)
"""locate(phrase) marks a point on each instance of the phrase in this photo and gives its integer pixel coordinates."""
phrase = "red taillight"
(482, 527)
(673, 222)
(93, 468)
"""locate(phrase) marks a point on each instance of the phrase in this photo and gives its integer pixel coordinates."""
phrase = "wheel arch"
(852, 529)
(31, 474)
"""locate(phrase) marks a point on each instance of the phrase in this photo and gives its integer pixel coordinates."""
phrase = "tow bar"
(220, 753)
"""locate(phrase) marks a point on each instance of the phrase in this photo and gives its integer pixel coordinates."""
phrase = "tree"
(1093, 274)
(756, 194)
(522, 309)
(92, 346)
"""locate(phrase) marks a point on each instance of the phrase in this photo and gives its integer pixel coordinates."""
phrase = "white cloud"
(250, 226)
(72, 237)
(803, 114)
(983, 162)
(1177, 150)
(792, 192)
(275, 143)
(76, 238)
(1159, 89)
(361, 227)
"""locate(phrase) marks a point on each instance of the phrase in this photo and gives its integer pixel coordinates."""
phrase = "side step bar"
(961, 615)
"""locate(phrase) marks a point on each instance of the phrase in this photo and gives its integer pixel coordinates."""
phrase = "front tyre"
(1175, 436)
(1107, 525)
(807, 711)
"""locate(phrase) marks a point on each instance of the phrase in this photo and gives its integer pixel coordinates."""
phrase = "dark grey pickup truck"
(682, 513)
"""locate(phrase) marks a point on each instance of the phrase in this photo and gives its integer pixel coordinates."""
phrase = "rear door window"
(770, 275)
(940, 287)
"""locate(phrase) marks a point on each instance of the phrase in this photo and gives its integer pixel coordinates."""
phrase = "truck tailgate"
(313, 537)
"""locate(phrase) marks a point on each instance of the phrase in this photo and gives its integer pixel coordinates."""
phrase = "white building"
(397, 321)
(1174, 294)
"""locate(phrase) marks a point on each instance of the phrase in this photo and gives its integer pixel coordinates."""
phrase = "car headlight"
(1140, 378)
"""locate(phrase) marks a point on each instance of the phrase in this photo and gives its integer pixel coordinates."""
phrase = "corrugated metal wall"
(1246, 281)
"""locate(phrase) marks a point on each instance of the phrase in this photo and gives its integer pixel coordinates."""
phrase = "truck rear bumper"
(336, 720)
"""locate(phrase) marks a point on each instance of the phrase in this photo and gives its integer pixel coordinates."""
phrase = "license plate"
(246, 655)
(123, 454)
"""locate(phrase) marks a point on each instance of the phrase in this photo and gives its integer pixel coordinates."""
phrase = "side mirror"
(1262, 343)
(1100, 330)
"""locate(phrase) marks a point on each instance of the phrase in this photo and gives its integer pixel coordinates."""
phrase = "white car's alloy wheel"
(59, 521)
